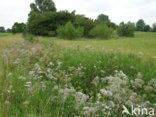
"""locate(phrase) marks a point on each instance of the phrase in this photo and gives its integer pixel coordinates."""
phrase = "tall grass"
(45, 79)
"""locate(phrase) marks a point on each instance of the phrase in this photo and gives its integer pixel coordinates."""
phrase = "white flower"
(81, 98)
(105, 92)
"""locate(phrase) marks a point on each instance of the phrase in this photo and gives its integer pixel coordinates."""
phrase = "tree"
(18, 27)
(86, 23)
(147, 28)
(101, 31)
(126, 29)
(8, 30)
(102, 18)
(69, 31)
(43, 6)
(140, 25)
(154, 27)
(2, 29)
(46, 23)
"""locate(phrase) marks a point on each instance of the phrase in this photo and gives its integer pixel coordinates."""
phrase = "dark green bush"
(86, 23)
(101, 31)
(46, 23)
(69, 31)
(126, 29)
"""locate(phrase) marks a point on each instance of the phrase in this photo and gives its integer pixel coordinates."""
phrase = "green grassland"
(55, 77)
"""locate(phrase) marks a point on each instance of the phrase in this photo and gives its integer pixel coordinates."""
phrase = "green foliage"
(43, 6)
(126, 29)
(102, 18)
(45, 24)
(18, 28)
(154, 27)
(147, 28)
(101, 31)
(2, 29)
(111, 25)
(69, 31)
(30, 38)
(86, 23)
(140, 25)
(9, 30)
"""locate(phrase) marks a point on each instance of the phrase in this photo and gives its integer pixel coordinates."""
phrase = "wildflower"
(95, 81)
(26, 103)
(81, 98)
(31, 72)
(138, 83)
(105, 92)
(66, 91)
(139, 75)
(28, 84)
(6, 102)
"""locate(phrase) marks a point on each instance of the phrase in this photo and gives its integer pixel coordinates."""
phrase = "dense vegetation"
(68, 65)
(54, 79)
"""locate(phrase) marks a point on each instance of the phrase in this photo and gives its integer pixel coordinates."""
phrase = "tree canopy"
(43, 6)
(140, 25)
(102, 18)
(2, 29)
(18, 27)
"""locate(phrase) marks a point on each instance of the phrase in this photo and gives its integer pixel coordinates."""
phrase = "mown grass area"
(54, 77)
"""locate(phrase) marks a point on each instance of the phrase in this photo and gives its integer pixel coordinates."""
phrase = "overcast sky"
(118, 10)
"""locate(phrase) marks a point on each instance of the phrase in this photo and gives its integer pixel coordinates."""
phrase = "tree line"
(45, 20)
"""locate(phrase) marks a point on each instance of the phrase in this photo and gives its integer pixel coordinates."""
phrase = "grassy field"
(142, 43)
(84, 77)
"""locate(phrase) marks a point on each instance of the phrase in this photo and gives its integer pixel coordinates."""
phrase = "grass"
(56, 77)
(5, 34)
(142, 42)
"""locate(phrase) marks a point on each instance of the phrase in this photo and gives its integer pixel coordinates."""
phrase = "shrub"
(69, 31)
(126, 29)
(101, 31)
(29, 37)
(86, 23)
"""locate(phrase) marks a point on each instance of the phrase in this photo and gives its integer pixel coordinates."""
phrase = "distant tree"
(43, 6)
(2, 29)
(18, 27)
(111, 25)
(126, 29)
(140, 25)
(147, 28)
(102, 18)
(8, 30)
(86, 23)
(154, 27)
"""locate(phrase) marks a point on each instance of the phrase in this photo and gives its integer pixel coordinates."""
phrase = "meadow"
(85, 77)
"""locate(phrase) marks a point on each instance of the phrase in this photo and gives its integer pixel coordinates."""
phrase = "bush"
(86, 23)
(126, 29)
(29, 37)
(101, 31)
(69, 31)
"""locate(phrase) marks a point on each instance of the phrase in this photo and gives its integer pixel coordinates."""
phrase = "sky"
(118, 10)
